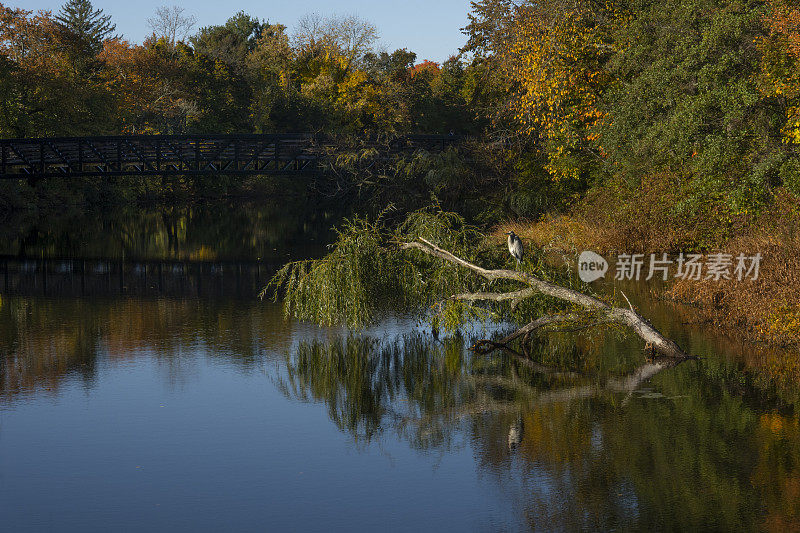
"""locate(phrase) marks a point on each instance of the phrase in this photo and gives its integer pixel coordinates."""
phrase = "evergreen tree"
(90, 25)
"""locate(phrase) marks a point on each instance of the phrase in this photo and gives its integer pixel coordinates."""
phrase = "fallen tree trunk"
(628, 317)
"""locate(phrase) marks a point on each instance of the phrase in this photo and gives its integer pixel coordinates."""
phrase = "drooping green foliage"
(368, 272)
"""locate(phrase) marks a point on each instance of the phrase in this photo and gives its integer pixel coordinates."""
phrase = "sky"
(431, 28)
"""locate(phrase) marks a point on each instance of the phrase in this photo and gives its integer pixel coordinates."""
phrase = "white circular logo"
(591, 266)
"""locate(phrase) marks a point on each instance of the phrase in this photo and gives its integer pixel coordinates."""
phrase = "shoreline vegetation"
(764, 310)
(621, 126)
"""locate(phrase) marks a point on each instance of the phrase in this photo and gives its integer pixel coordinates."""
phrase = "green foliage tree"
(88, 24)
(10, 100)
(410, 268)
(231, 42)
(686, 100)
(271, 69)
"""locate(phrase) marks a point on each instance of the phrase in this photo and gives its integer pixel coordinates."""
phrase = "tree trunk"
(628, 317)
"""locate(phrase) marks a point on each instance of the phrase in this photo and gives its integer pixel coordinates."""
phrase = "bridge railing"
(142, 155)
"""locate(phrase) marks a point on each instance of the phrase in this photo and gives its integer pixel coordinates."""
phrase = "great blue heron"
(515, 247)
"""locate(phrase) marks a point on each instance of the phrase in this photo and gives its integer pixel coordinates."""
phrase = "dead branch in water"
(654, 339)
(533, 398)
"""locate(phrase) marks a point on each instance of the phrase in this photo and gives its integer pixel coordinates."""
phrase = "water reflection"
(686, 452)
(614, 443)
(271, 230)
(109, 277)
(44, 341)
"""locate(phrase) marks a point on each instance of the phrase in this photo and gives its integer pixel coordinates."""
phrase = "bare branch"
(169, 23)
(347, 35)
(628, 317)
(586, 326)
(494, 296)
(626, 299)
(484, 347)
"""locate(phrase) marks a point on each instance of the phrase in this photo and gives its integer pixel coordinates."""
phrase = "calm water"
(145, 388)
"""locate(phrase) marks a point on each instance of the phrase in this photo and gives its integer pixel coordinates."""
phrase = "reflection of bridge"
(161, 155)
(110, 277)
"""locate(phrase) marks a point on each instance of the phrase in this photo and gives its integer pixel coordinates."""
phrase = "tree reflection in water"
(634, 445)
(278, 229)
(706, 445)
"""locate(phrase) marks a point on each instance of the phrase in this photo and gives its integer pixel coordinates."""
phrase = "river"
(144, 387)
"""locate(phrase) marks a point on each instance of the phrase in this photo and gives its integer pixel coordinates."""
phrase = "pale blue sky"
(428, 27)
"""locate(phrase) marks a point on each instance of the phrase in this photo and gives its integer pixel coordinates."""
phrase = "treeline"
(664, 126)
(689, 105)
(695, 101)
(67, 74)
(650, 126)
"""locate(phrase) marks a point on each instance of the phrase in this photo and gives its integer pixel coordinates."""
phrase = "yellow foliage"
(555, 60)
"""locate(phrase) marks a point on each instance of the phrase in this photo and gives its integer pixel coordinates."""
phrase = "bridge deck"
(141, 155)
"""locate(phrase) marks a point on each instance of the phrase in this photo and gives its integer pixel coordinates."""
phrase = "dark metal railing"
(143, 155)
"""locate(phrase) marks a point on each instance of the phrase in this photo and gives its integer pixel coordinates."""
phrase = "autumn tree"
(557, 55)
(67, 75)
(28, 45)
(153, 85)
(780, 72)
(53, 93)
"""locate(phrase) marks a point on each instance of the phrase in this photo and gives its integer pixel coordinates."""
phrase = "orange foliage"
(780, 74)
(784, 19)
(133, 74)
(146, 80)
(769, 307)
(28, 39)
(426, 67)
(555, 59)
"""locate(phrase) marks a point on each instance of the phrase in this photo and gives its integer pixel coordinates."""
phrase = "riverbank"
(766, 309)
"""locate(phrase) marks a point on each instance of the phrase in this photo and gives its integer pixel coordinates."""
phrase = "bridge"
(163, 155)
